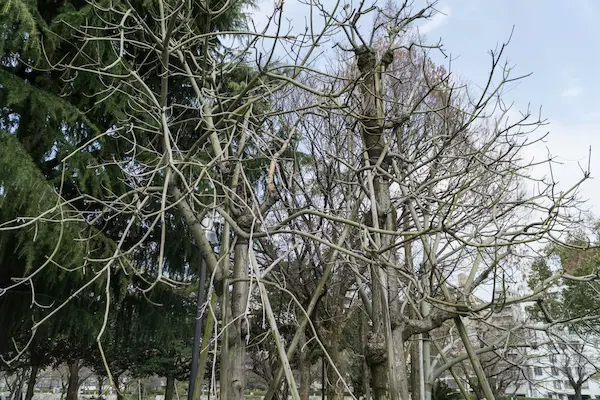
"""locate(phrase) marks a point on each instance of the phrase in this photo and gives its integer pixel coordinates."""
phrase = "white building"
(554, 367)
(542, 365)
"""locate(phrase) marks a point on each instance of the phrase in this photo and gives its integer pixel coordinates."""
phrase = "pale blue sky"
(555, 40)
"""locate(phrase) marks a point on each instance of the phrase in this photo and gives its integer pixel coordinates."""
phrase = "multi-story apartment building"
(561, 363)
(531, 363)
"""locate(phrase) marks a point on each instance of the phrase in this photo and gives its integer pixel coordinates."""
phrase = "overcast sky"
(555, 40)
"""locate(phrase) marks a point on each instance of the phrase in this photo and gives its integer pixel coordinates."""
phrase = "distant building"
(546, 369)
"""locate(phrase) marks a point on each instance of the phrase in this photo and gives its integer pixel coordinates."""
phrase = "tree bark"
(401, 369)
(31, 383)
(170, 387)
(305, 380)
(238, 329)
(226, 318)
(415, 369)
(73, 388)
(335, 386)
(379, 352)
(577, 392)
(204, 346)
(364, 326)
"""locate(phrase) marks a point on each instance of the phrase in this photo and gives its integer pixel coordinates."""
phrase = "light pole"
(213, 239)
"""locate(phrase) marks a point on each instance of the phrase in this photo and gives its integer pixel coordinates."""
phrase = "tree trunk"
(479, 395)
(380, 350)
(238, 329)
(100, 385)
(473, 382)
(17, 389)
(31, 383)
(335, 385)
(366, 377)
(415, 368)
(73, 388)
(170, 387)
(577, 389)
(401, 369)
(475, 363)
(117, 387)
(366, 381)
(305, 380)
(226, 318)
(428, 385)
(204, 350)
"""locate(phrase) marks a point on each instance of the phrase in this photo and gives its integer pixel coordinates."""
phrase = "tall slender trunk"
(195, 375)
(305, 380)
(427, 383)
(335, 385)
(401, 365)
(380, 349)
(17, 389)
(366, 381)
(31, 382)
(170, 387)
(205, 347)
(100, 385)
(477, 391)
(239, 326)
(415, 365)
(118, 387)
(73, 388)
(479, 372)
(226, 318)
(217, 268)
(364, 326)
(415, 368)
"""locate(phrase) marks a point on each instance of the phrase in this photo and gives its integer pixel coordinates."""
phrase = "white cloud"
(572, 91)
(436, 21)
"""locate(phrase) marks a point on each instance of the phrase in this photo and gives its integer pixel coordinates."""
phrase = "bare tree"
(375, 183)
(570, 360)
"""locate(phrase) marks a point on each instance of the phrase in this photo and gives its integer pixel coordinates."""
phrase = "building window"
(585, 385)
(554, 371)
(553, 358)
(557, 385)
(538, 370)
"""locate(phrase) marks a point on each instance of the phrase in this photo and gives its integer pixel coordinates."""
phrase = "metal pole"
(323, 378)
(197, 332)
